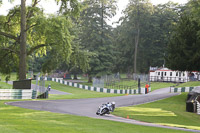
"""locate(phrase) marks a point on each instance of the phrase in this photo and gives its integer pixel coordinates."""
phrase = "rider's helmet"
(113, 103)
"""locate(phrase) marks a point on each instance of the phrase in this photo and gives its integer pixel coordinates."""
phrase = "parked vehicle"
(106, 108)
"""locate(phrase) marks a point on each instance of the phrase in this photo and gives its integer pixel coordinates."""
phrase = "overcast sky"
(50, 6)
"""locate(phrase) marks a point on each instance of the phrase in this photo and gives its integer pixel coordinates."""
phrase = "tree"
(22, 56)
(96, 35)
(79, 58)
(155, 36)
(156, 24)
(136, 14)
(68, 7)
(184, 49)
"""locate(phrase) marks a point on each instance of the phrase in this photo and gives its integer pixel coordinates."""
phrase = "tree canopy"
(184, 48)
(96, 34)
(156, 24)
(26, 30)
(79, 38)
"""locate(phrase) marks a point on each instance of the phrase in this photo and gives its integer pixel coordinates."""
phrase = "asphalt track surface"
(88, 107)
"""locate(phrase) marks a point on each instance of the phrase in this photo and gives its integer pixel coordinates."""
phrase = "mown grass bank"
(132, 84)
(189, 84)
(76, 93)
(4, 85)
(19, 120)
(170, 111)
(13, 77)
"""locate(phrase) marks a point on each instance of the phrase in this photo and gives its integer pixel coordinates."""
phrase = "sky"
(50, 6)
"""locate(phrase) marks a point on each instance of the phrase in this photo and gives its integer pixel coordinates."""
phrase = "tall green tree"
(156, 24)
(96, 34)
(68, 7)
(135, 18)
(155, 39)
(184, 49)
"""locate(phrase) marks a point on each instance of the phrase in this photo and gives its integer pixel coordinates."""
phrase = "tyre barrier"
(97, 89)
(9, 94)
(181, 89)
(198, 108)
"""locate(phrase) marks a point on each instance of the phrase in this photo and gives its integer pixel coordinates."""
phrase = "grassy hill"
(170, 111)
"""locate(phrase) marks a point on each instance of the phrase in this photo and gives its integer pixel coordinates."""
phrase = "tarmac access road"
(88, 107)
(52, 91)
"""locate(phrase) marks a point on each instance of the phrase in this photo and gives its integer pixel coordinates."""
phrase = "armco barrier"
(97, 89)
(181, 89)
(8, 94)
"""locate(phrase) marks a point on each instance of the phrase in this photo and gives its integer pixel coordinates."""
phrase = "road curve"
(88, 107)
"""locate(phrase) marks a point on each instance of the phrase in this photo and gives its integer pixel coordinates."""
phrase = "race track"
(88, 107)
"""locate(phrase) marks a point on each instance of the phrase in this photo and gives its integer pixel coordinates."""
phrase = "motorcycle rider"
(111, 106)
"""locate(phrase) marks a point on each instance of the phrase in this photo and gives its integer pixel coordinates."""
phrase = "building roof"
(153, 69)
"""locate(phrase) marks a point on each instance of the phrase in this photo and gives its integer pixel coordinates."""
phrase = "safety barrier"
(8, 94)
(98, 89)
(181, 89)
(198, 108)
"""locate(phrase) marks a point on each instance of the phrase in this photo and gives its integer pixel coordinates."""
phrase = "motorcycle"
(106, 108)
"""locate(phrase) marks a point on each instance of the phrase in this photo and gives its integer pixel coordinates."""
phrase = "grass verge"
(170, 111)
(19, 120)
(4, 85)
(134, 85)
(76, 93)
(159, 85)
(189, 84)
(13, 77)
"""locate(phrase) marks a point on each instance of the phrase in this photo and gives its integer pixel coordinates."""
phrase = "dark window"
(165, 73)
(158, 73)
(170, 73)
(176, 73)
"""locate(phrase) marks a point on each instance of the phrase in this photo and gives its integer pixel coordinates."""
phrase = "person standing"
(147, 88)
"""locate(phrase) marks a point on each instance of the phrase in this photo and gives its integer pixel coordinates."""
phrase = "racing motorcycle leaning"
(106, 108)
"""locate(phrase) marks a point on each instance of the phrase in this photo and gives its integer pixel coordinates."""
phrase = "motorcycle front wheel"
(104, 111)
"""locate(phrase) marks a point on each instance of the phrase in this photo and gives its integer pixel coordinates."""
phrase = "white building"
(166, 75)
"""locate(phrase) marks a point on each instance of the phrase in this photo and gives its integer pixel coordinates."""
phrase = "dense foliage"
(184, 48)
(79, 39)
(96, 35)
(41, 34)
(156, 24)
